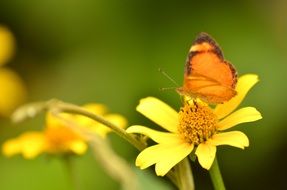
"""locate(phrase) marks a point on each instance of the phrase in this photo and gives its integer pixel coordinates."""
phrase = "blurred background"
(110, 51)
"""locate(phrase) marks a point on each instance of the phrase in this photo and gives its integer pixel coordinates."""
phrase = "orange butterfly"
(207, 75)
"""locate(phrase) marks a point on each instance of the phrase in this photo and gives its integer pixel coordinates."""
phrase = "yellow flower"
(196, 126)
(13, 91)
(58, 138)
(7, 45)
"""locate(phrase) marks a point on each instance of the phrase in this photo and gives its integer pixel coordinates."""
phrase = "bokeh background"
(110, 52)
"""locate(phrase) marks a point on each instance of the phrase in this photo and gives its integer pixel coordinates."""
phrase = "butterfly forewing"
(207, 75)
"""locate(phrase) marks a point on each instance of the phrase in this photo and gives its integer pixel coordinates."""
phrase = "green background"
(110, 52)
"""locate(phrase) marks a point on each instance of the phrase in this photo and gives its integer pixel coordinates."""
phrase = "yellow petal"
(95, 126)
(53, 121)
(157, 136)
(30, 144)
(33, 144)
(98, 109)
(173, 157)
(99, 128)
(117, 120)
(159, 112)
(232, 138)
(245, 83)
(7, 45)
(78, 147)
(151, 155)
(11, 147)
(206, 154)
(13, 91)
(164, 156)
(243, 115)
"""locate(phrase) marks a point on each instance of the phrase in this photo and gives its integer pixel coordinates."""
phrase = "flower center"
(197, 122)
(60, 138)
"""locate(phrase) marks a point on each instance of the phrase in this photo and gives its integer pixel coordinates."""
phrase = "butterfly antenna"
(167, 76)
(168, 88)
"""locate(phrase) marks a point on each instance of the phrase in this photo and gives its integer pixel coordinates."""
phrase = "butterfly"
(207, 75)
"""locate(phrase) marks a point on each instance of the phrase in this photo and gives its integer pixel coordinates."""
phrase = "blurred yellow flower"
(12, 88)
(7, 45)
(196, 126)
(58, 138)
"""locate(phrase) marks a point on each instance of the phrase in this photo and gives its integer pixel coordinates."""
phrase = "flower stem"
(216, 177)
(70, 108)
(184, 175)
(115, 166)
(71, 175)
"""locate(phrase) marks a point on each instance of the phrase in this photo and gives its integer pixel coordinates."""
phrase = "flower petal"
(151, 155)
(7, 45)
(117, 120)
(164, 156)
(206, 154)
(157, 136)
(101, 129)
(52, 121)
(243, 115)
(13, 91)
(78, 147)
(11, 147)
(173, 157)
(98, 109)
(232, 138)
(30, 144)
(159, 112)
(33, 144)
(245, 83)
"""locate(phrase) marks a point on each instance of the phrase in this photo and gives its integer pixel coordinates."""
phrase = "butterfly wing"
(207, 74)
(207, 89)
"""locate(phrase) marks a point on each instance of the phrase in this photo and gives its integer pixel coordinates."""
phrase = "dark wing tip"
(205, 37)
(234, 73)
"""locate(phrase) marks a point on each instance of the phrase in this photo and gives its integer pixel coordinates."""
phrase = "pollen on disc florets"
(197, 122)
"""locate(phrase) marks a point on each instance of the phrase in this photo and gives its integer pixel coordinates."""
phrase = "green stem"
(71, 175)
(216, 177)
(70, 108)
(184, 175)
(115, 166)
